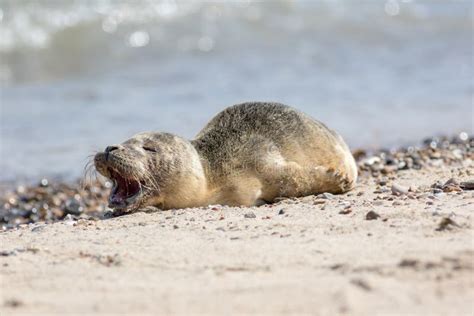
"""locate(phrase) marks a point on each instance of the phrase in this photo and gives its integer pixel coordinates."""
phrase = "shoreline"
(52, 200)
(399, 243)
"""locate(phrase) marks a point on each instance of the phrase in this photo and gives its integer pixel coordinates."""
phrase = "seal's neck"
(186, 185)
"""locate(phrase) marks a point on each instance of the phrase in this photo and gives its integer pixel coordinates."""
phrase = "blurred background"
(78, 75)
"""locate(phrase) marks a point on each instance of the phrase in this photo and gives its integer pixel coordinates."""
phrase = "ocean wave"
(52, 39)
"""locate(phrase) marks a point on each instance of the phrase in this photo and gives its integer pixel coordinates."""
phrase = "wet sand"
(400, 243)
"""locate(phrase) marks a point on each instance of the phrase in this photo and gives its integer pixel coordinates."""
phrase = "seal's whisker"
(89, 174)
(147, 175)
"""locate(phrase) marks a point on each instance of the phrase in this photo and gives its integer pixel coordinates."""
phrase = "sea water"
(79, 75)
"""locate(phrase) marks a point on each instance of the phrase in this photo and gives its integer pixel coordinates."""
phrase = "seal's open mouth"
(125, 191)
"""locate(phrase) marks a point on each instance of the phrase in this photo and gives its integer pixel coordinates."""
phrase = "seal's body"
(249, 154)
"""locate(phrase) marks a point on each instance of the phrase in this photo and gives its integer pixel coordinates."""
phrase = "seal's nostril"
(110, 148)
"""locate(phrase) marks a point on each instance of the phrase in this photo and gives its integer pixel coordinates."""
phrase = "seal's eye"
(150, 149)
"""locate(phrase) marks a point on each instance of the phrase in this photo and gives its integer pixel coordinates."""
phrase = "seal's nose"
(109, 149)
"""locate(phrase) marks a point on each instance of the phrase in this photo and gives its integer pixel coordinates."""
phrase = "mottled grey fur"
(248, 154)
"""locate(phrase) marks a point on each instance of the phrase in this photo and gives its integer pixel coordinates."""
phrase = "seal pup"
(249, 154)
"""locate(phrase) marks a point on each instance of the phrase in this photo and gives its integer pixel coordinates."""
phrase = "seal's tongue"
(123, 190)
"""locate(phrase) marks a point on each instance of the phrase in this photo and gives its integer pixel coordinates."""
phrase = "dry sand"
(301, 256)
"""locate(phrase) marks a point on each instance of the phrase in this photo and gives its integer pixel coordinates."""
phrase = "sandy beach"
(399, 244)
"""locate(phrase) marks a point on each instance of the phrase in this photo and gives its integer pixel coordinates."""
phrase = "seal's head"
(157, 169)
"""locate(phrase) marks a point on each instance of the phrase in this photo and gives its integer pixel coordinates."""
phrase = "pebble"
(399, 189)
(408, 263)
(451, 181)
(74, 207)
(250, 215)
(345, 211)
(362, 284)
(327, 196)
(344, 204)
(13, 303)
(467, 185)
(319, 201)
(446, 223)
(371, 215)
(6, 253)
(38, 228)
(69, 220)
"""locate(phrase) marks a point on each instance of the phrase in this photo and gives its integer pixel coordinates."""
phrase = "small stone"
(399, 189)
(69, 220)
(74, 207)
(175, 226)
(408, 263)
(452, 188)
(13, 303)
(437, 185)
(345, 211)
(250, 215)
(371, 215)
(389, 169)
(345, 204)
(451, 181)
(6, 253)
(326, 195)
(359, 154)
(467, 185)
(446, 223)
(38, 228)
(281, 212)
(319, 201)
(362, 284)
(108, 214)
(457, 153)
(371, 161)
